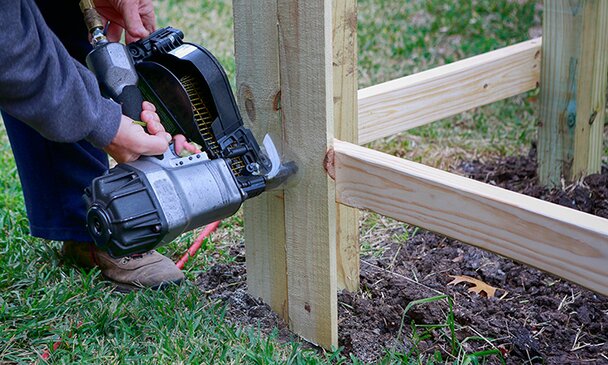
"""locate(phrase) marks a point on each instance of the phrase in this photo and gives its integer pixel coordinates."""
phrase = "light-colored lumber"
(398, 105)
(258, 91)
(573, 92)
(305, 53)
(345, 129)
(558, 240)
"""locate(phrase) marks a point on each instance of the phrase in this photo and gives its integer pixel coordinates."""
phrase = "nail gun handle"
(131, 99)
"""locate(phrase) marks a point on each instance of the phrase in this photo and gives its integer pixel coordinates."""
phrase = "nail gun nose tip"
(290, 168)
(285, 178)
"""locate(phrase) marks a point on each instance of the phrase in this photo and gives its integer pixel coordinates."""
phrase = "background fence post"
(573, 89)
(346, 129)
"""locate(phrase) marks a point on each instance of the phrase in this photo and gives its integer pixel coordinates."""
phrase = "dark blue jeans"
(54, 175)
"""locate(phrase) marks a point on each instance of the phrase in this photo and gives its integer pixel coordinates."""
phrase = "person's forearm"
(43, 86)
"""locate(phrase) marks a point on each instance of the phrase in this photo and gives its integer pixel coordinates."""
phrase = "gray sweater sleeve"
(42, 85)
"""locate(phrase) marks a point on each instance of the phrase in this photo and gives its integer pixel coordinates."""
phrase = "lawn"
(43, 299)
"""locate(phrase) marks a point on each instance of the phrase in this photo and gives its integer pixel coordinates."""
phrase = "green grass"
(43, 299)
(208, 23)
(455, 352)
(401, 38)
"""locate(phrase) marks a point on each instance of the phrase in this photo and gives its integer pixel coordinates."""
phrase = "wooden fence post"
(305, 54)
(573, 89)
(346, 129)
(257, 78)
(284, 76)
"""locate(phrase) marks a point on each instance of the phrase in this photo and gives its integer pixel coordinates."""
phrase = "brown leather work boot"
(147, 270)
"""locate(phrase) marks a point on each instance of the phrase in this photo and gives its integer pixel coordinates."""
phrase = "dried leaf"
(479, 286)
(458, 258)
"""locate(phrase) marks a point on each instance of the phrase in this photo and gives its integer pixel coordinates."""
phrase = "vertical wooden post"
(284, 76)
(257, 78)
(574, 73)
(346, 129)
(305, 54)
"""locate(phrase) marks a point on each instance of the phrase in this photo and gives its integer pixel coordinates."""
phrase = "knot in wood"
(329, 164)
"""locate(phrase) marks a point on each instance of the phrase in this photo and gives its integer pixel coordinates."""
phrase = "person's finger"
(149, 116)
(191, 148)
(147, 16)
(183, 147)
(153, 124)
(114, 32)
(130, 39)
(148, 106)
(178, 143)
(157, 129)
(152, 119)
(132, 18)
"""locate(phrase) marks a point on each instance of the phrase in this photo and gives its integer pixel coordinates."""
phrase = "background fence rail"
(411, 101)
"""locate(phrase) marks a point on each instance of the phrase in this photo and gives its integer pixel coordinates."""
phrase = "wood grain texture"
(573, 92)
(415, 100)
(559, 240)
(345, 128)
(305, 52)
(257, 77)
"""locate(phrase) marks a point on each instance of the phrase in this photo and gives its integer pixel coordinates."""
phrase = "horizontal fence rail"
(408, 102)
(562, 241)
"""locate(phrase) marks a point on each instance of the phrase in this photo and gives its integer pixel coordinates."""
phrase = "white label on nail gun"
(183, 50)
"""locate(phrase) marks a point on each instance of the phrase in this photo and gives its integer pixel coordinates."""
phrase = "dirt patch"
(228, 283)
(534, 317)
(519, 174)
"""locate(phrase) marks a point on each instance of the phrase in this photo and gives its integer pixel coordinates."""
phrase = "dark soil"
(534, 318)
(228, 283)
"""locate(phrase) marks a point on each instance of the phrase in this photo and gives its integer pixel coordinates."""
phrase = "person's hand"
(135, 16)
(132, 141)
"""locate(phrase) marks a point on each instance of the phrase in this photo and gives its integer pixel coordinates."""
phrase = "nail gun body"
(143, 204)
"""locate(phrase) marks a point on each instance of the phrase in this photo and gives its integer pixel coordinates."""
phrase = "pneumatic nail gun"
(140, 205)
